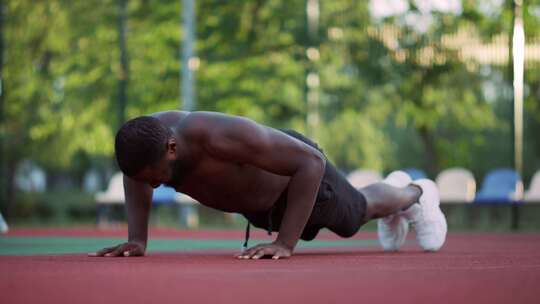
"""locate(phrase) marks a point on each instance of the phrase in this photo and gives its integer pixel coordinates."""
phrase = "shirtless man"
(279, 180)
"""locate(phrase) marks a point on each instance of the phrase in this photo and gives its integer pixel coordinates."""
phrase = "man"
(279, 180)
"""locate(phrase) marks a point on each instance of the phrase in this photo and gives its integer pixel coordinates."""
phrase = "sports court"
(198, 267)
(417, 120)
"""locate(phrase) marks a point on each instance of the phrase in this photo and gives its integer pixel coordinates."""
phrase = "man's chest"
(232, 187)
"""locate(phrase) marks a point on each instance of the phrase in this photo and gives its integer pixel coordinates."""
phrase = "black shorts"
(338, 206)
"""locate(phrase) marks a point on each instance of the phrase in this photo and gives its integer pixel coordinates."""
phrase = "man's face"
(160, 172)
(155, 175)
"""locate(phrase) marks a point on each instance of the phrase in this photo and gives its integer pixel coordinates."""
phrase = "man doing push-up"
(278, 179)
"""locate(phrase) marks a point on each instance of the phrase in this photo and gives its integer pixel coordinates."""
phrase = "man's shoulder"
(208, 123)
(180, 119)
(168, 117)
(202, 123)
(192, 124)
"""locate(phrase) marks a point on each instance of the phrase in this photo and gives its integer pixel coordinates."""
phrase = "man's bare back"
(224, 184)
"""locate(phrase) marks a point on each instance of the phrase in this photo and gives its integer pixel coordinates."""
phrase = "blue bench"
(415, 173)
(187, 212)
(500, 186)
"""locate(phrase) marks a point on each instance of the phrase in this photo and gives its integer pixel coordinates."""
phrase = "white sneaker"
(427, 218)
(392, 230)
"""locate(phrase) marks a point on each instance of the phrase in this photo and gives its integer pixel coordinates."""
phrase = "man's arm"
(138, 201)
(244, 141)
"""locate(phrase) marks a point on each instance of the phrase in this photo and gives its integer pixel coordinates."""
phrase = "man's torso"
(225, 185)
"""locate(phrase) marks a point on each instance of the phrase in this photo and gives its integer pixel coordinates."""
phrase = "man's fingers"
(125, 249)
(246, 254)
(259, 253)
(102, 252)
(249, 253)
(106, 250)
(133, 251)
(281, 254)
(267, 251)
(117, 252)
(262, 250)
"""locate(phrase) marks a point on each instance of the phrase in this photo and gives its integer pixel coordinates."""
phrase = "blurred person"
(3, 225)
(278, 180)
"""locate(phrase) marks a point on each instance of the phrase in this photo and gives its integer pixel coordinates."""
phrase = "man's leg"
(383, 199)
(343, 209)
(392, 230)
(398, 207)
(349, 209)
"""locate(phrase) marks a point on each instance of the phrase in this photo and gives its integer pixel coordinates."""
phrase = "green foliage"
(384, 103)
(354, 140)
(58, 80)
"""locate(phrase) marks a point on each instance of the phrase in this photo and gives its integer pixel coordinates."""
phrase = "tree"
(3, 181)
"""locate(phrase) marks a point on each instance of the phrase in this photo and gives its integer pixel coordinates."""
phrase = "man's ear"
(171, 146)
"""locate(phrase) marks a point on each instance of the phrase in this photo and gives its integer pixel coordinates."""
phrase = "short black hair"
(140, 142)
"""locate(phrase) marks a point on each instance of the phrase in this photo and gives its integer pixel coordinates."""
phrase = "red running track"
(471, 268)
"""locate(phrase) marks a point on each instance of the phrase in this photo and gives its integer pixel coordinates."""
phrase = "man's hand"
(275, 249)
(125, 249)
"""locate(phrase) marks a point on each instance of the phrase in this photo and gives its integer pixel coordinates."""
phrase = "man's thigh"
(339, 207)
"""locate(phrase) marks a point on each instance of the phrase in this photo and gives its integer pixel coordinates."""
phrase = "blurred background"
(422, 85)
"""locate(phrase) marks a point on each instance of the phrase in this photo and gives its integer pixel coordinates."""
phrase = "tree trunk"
(3, 177)
(123, 78)
(10, 187)
(431, 160)
(124, 68)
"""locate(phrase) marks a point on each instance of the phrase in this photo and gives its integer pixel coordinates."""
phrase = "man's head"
(145, 149)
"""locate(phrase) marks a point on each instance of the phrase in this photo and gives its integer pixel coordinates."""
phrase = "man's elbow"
(318, 162)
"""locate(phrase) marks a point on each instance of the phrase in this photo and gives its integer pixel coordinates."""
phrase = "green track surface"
(66, 245)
